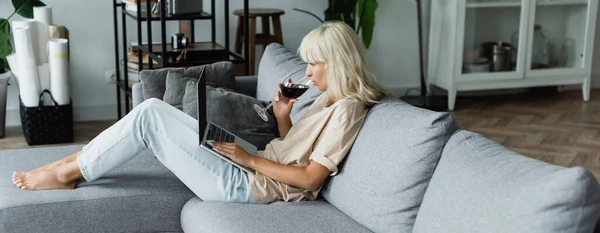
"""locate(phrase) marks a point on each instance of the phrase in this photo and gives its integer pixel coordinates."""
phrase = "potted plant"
(23, 8)
(358, 14)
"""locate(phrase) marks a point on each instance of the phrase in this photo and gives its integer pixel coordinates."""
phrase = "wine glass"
(288, 89)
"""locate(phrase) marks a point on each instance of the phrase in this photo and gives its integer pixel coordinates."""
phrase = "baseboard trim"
(80, 114)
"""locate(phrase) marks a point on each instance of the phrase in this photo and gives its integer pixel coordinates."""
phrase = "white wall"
(394, 50)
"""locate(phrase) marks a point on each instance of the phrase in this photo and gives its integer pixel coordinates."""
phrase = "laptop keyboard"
(219, 135)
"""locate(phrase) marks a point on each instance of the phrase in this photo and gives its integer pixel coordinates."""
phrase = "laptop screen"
(201, 105)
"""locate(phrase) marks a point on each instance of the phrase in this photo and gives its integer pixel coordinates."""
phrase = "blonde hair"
(348, 70)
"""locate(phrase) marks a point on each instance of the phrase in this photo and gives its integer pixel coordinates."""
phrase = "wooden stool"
(263, 38)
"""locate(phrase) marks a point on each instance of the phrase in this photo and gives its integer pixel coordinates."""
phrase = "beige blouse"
(323, 134)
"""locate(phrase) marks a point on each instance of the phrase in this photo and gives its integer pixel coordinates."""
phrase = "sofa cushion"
(307, 216)
(139, 196)
(278, 63)
(175, 88)
(384, 177)
(232, 111)
(218, 74)
(479, 185)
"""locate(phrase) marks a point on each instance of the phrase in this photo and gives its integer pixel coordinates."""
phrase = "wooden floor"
(559, 129)
(83, 133)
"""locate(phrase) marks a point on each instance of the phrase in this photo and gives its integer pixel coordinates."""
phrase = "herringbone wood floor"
(561, 129)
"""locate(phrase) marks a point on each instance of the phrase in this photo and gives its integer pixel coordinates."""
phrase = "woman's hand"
(282, 106)
(233, 151)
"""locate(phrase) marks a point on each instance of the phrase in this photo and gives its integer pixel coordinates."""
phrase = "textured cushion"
(140, 196)
(385, 175)
(278, 63)
(190, 99)
(234, 112)
(480, 185)
(175, 88)
(219, 74)
(307, 216)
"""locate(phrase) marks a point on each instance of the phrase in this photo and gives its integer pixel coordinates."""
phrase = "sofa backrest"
(479, 185)
(383, 178)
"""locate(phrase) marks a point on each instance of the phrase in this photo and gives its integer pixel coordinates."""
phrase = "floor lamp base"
(434, 103)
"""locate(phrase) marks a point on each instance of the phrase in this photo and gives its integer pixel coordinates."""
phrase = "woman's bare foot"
(61, 177)
(47, 167)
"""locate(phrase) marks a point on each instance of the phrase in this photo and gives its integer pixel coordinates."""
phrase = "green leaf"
(367, 9)
(309, 13)
(5, 47)
(25, 7)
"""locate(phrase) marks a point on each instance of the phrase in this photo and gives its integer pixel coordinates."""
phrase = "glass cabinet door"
(492, 35)
(558, 34)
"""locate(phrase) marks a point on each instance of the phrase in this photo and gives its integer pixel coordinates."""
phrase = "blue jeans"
(172, 136)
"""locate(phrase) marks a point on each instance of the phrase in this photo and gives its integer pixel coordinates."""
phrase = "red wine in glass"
(293, 90)
(289, 90)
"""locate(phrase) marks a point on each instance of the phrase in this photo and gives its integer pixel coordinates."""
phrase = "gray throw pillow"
(278, 63)
(218, 74)
(175, 88)
(232, 111)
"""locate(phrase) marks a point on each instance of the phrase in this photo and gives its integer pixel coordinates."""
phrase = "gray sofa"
(410, 170)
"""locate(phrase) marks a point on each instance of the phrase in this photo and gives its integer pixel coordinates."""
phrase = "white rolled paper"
(14, 67)
(44, 76)
(59, 70)
(33, 30)
(28, 79)
(43, 14)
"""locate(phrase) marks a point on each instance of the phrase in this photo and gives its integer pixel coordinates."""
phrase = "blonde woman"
(291, 168)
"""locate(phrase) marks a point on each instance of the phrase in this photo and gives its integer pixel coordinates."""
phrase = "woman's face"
(318, 74)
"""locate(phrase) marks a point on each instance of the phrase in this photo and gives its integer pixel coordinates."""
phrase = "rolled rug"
(58, 31)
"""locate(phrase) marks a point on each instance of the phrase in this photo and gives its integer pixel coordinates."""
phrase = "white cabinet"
(500, 44)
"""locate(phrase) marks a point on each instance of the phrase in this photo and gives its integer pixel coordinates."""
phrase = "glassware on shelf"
(567, 53)
(541, 53)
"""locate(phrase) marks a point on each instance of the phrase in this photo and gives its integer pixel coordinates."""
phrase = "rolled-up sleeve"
(338, 136)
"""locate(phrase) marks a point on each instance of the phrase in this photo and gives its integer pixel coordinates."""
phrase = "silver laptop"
(211, 132)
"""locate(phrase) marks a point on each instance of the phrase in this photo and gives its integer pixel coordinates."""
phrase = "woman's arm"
(284, 124)
(310, 177)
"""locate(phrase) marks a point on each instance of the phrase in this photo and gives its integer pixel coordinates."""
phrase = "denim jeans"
(172, 136)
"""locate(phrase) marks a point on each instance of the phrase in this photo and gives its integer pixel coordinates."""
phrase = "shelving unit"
(492, 4)
(196, 53)
(507, 44)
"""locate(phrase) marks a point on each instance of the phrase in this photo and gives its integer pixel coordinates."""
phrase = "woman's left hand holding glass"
(232, 151)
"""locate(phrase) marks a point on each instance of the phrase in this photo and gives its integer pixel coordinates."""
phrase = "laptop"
(210, 132)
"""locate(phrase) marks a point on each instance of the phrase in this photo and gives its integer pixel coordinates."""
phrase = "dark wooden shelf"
(195, 54)
(198, 46)
(233, 57)
(156, 17)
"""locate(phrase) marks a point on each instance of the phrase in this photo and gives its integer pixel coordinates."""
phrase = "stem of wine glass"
(268, 106)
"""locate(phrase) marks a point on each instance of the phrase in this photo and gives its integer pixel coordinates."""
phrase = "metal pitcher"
(499, 53)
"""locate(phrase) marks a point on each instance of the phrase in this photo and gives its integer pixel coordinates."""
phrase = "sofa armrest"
(246, 85)
(136, 94)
